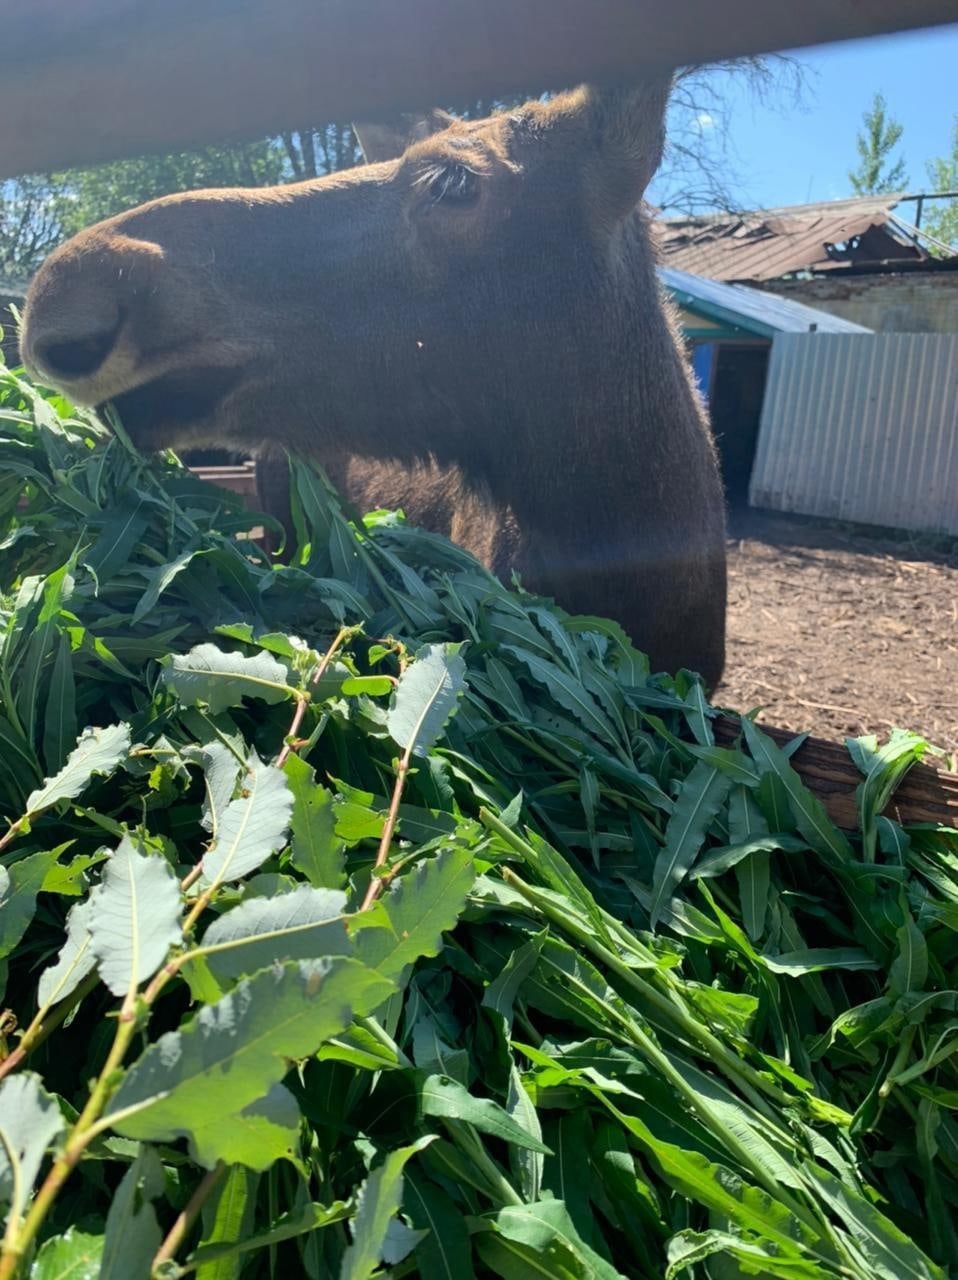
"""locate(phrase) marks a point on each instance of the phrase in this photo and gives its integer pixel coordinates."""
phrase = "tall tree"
(941, 216)
(877, 173)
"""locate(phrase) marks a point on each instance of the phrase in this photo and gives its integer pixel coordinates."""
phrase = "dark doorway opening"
(735, 405)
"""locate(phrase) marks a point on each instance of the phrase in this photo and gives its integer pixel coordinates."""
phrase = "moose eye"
(454, 184)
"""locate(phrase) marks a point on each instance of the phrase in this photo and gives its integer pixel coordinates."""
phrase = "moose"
(469, 327)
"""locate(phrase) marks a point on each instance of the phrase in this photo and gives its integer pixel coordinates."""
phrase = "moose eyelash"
(447, 180)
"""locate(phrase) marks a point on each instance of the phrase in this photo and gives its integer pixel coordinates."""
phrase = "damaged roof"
(835, 237)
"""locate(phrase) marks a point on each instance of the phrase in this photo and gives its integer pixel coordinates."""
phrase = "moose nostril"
(77, 358)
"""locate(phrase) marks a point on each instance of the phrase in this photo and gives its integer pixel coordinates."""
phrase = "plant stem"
(670, 1007)
(340, 638)
(402, 772)
(897, 1066)
(69, 1158)
(44, 1023)
(12, 832)
(181, 1227)
(464, 1137)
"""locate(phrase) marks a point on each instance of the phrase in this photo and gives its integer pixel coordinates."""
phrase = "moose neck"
(594, 440)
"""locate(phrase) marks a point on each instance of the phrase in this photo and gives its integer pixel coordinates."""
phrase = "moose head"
(470, 324)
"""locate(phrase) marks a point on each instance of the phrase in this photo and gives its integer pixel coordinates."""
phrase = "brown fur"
(502, 367)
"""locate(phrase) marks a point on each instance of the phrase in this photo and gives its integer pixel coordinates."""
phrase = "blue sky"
(790, 156)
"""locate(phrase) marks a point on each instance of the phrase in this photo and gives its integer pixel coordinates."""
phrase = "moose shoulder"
(469, 328)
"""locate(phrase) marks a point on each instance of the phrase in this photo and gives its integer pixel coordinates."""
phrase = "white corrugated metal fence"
(861, 427)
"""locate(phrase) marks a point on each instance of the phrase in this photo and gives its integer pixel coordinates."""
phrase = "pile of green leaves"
(362, 917)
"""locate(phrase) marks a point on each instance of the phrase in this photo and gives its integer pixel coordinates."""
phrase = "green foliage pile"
(363, 917)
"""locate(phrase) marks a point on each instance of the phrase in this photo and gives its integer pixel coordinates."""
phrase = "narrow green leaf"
(121, 531)
(159, 579)
(315, 849)
(60, 718)
(133, 1234)
(288, 1226)
(687, 1248)
(445, 1252)
(733, 762)
(134, 917)
(444, 1097)
(98, 751)
(228, 1217)
(547, 1229)
(817, 959)
(426, 696)
(909, 969)
(754, 875)
(888, 1252)
(745, 820)
(568, 692)
(809, 813)
(884, 768)
(718, 861)
(379, 1200)
(702, 795)
(567, 1172)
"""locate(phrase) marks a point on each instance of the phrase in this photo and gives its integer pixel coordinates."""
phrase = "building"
(865, 259)
(729, 329)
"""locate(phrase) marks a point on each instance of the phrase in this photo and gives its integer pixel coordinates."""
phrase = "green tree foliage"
(941, 216)
(29, 225)
(877, 172)
(88, 195)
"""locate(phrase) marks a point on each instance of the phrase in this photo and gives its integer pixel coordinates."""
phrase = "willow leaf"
(252, 827)
(134, 917)
(30, 1123)
(133, 1234)
(233, 1051)
(210, 676)
(409, 920)
(75, 960)
(98, 751)
(379, 1200)
(302, 925)
(426, 696)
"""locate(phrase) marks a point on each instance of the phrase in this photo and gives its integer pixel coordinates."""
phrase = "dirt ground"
(839, 632)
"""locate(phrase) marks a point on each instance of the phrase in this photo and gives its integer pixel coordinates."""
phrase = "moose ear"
(623, 131)
(388, 141)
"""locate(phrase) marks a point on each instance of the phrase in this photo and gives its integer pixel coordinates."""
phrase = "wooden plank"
(92, 80)
(241, 479)
(826, 769)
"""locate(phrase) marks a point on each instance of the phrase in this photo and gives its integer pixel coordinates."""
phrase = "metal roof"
(765, 314)
(772, 243)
